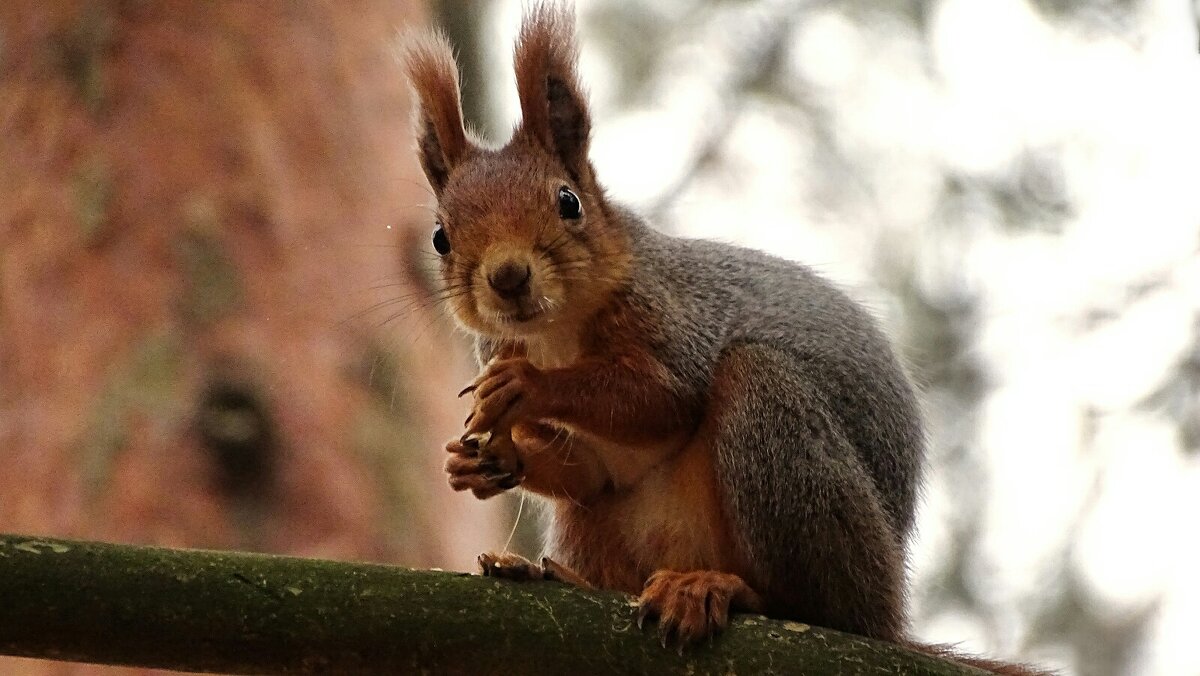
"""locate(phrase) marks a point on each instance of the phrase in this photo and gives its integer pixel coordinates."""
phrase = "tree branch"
(257, 614)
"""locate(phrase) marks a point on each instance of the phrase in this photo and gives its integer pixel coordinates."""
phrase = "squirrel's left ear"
(554, 111)
(441, 137)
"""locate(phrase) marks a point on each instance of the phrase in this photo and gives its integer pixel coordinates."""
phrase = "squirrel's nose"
(510, 280)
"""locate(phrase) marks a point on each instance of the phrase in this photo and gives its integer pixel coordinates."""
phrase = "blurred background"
(217, 327)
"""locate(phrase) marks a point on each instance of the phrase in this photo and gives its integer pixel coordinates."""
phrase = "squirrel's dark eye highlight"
(568, 204)
(441, 243)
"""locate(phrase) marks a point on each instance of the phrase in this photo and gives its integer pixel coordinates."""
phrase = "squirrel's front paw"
(502, 387)
(484, 473)
(480, 471)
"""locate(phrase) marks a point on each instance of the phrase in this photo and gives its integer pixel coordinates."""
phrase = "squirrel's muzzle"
(510, 280)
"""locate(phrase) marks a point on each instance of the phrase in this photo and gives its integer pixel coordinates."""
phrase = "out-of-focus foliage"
(1010, 184)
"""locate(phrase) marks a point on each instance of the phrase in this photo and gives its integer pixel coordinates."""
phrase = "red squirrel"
(714, 429)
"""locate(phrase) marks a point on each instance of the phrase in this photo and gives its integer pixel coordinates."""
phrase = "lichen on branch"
(228, 612)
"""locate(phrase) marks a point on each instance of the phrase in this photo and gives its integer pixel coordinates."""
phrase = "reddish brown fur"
(632, 478)
(696, 604)
(573, 402)
(488, 234)
(669, 516)
(545, 63)
(433, 75)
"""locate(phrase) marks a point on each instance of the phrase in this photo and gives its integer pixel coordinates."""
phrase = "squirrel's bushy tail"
(990, 665)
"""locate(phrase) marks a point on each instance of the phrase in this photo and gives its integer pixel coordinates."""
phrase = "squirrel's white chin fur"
(517, 326)
(530, 318)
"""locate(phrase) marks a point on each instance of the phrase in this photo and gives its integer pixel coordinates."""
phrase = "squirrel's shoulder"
(727, 282)
(693, 298)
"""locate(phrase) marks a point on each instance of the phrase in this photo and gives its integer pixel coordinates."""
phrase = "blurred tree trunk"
(196, 201)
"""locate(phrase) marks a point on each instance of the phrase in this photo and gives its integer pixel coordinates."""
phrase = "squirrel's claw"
(691, 606)
(505, 480)
(459, 447)
(509, 566)
(666, 634)
(482, 474)
(497, 392)
(476, 441)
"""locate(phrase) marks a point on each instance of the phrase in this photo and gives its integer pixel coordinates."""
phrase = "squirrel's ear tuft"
(554, 110)
(441, 137)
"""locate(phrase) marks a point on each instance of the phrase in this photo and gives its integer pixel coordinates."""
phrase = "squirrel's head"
(524, 234)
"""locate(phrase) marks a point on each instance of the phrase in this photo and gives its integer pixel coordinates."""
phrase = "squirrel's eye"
(441, 243)
(568, 204)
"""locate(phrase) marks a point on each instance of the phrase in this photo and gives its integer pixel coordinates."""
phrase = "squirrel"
(715, 429)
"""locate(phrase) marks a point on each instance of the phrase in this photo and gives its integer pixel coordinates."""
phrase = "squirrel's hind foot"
(509, 566)
(695, 605)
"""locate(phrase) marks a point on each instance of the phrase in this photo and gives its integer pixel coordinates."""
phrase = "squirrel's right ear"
(441, 137)
(554, 110)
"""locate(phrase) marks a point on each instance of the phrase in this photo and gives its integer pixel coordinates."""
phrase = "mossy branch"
(255, 614)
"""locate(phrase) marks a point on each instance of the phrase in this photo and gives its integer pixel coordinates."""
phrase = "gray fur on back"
(720, 296)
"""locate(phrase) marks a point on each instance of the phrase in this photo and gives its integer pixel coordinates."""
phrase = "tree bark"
(217, 612)
(215, 324)
(200, 204)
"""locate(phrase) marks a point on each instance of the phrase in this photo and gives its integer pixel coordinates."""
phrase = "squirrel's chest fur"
(553, 351)
(669, 517)
(663, 510)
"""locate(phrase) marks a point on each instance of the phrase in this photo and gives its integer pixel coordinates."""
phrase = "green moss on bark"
(256, 614)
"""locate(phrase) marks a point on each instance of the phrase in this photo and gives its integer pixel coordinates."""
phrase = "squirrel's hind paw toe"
(509, 566)
(690, 607)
